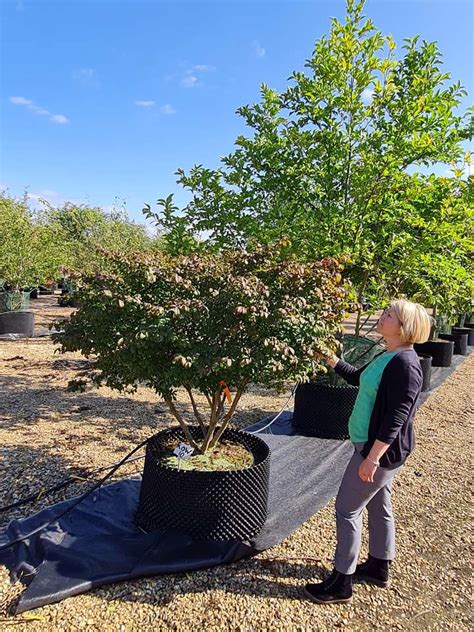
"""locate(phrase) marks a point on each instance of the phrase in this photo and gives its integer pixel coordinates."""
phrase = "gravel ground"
(47, 433)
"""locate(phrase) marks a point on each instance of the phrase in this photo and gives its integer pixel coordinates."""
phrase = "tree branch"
(197, 414)
(182, 423)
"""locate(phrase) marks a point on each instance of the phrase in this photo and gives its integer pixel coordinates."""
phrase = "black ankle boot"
(373, 571)
(337, 588)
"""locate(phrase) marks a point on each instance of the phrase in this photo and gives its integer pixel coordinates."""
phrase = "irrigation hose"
(75, 477)
(79, 500)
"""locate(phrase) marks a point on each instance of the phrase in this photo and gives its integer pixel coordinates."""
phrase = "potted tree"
(17, 267)
(210, 324)
(28, 255)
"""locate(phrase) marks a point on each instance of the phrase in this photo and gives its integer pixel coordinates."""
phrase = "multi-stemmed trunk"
(218, 420)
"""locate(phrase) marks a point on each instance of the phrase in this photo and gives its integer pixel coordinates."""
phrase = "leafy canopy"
(207, 322)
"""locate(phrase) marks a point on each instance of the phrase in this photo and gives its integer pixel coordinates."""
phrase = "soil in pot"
(460, 342)
(425, 362)
(227, 455)
(440, 350)
(206, 505)
(469, 331)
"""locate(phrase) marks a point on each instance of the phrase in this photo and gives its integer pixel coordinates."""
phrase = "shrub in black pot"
(469, 331)
(323, 406)
(205, 504)
(459, 340)
(177, 322)
(426, 363)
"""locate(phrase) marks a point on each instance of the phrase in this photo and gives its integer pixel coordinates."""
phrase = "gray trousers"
(353, 496)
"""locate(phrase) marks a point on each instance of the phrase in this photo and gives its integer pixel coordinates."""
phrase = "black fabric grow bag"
(323, 411)
(465, 330)
(460, 342)
(17, 323)
(440, 350)
(425, 362)
(204, 505)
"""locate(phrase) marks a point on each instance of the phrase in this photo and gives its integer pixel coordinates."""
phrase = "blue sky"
(102, 100)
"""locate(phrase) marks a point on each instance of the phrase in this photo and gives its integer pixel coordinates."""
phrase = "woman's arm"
(347, 371)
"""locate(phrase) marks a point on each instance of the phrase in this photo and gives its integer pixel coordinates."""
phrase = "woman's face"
(388, 324)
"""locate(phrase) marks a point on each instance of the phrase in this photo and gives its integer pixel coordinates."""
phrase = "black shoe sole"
(326, 601)
(367, 579)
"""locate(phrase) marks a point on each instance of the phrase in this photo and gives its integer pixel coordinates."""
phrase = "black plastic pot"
(323, 411)
(440, 350)
(425, 362)
(17, 323)
(460, 342)
(222, 505)
(465, 330)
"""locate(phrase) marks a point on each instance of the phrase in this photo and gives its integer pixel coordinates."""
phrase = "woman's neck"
(396, 345)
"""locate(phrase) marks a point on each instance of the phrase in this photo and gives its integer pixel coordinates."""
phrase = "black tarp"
(97, 542)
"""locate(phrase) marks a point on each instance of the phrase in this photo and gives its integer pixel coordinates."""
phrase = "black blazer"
(395, 405)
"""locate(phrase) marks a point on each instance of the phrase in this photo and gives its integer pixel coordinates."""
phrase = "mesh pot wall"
(223, 505)
(323, 411)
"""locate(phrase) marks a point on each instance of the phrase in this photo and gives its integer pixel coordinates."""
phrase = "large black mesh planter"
(323, 411)
(223, 505)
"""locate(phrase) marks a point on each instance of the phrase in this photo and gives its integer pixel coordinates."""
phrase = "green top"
(368, 386)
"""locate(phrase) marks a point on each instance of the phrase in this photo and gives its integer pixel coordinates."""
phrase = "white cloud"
(60, 119)
(144, 104)
(167, 109)
(367, 95)
(189, 81)
(21, 101)
(37, 109)
(86, 77)
(203, 68)
(259, 50)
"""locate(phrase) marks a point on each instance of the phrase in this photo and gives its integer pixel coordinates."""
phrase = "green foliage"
(28, 253)
(207, 322)
(433, 250)
(325, 164)
(85, 232)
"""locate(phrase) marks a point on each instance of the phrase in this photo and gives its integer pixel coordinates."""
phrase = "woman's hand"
(367, 470)
(332, 360)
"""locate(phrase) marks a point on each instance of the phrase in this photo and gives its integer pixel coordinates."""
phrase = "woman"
(381, 429)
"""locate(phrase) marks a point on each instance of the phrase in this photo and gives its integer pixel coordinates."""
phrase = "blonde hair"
(414, 319)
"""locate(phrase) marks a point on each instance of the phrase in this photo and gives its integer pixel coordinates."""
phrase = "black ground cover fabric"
(98, 543)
